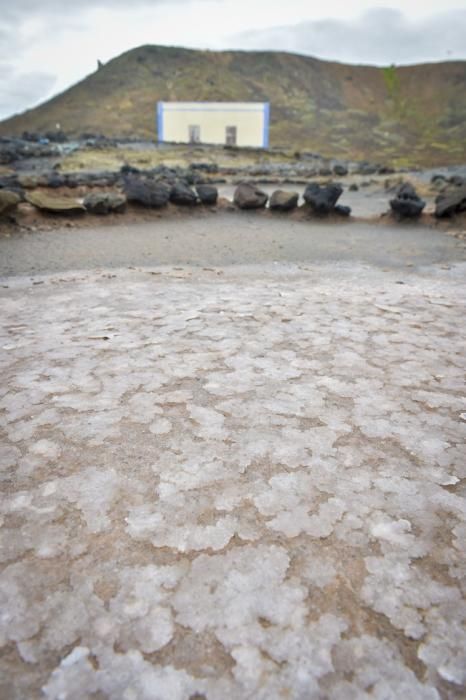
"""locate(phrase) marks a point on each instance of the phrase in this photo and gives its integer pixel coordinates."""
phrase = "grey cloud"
(7, 42)
(380, 36)
(18, 10)
(23, 90)
(20, 91)
(59, 13)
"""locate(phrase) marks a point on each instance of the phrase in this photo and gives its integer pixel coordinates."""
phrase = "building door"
(230, 136)
(194, 133)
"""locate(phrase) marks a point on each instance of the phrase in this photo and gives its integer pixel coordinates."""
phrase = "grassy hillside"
(407, 115)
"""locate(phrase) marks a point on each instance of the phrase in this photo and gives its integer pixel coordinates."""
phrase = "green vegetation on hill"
(391, 80)
(400, 115)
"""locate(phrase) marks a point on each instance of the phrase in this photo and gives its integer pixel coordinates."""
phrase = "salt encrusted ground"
(234, 484)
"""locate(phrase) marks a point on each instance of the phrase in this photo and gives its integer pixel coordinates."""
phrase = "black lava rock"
(146, 192)
(182, 194)
(208, 194)
(340, 170)
(407, 204)
(342, 210)
(55, 180)
(322, 199)
(129, 170)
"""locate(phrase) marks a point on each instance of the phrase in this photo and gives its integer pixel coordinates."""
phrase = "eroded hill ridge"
(414, 114)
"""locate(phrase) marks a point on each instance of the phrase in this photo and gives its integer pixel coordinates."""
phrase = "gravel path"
(243, 482)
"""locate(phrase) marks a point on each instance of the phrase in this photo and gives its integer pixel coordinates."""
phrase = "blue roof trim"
(265, 133)
(214, 109)
(160, 121)
(259, 105)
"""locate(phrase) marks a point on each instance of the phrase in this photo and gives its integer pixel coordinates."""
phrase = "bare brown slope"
(413, 114)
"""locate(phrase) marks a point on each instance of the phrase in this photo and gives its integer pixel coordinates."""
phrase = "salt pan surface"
(238, 485)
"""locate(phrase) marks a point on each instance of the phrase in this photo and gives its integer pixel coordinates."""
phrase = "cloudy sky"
(47, 45)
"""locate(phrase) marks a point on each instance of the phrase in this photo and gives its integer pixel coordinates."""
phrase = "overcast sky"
(47, 45)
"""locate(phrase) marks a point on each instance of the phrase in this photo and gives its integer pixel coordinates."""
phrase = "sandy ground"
(233, 481)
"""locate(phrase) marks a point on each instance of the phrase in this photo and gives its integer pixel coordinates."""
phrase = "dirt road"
(225, 239)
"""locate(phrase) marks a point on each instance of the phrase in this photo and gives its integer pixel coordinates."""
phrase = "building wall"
(251, 120)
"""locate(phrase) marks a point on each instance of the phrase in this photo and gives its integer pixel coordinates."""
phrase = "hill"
(405, 115)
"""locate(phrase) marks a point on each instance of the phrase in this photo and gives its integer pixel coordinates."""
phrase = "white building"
(230, 123)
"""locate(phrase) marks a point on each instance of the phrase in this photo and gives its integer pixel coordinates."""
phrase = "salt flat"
(234, 483)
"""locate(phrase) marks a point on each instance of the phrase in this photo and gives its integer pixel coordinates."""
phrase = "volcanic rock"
(7, 154)
(182, 194)
(457, 180)
(407, 204)
(146, 192)
(8, 201)
(29, 182)
(439, 183)
(105, 203)
(102, 178)
(15, 149)
(451, 202)
(284, 201)
(208, 194)
(322, 199)
(340, 170)
(55, 180)
(205, 167)
(367, 168)
(129, 170)
(57, 136)
(342, 210)
(46, 202)
(248, 196)
(11, 182)
(385, 170)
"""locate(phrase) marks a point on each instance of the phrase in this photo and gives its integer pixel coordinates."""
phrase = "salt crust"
(246, 485)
